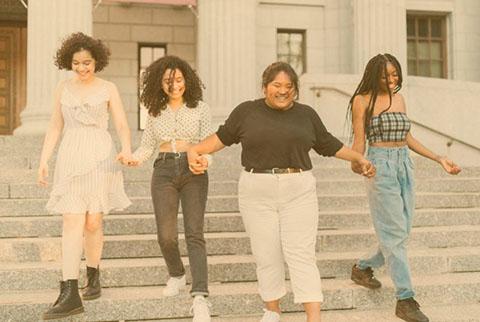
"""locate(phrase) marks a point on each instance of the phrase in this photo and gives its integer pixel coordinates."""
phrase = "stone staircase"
(444, 247)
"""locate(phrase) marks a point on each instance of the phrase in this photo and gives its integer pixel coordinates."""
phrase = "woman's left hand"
(449, 166)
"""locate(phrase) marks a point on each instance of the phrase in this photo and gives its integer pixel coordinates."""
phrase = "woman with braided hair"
(378, 114)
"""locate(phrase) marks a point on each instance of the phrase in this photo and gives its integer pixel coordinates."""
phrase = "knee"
(167, 240)
(93, 225)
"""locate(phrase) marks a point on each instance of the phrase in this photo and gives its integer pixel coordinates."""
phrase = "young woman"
(379, 116)
(277, 191)
(177, 118)
(88, 182)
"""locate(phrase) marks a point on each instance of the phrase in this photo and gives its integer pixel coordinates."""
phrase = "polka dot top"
(185, 124)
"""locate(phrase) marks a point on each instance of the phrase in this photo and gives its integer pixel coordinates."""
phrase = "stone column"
(226, 52)
(380, 26)
(49, 21)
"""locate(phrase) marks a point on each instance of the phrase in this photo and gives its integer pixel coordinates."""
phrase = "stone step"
(229, 268)
(435, 313)
(142, 303)
(229, 203)
(339, 186)
(235, 243)
(125, 223)
(232, 172)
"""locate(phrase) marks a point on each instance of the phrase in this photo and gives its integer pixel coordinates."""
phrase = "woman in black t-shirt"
(277, 190)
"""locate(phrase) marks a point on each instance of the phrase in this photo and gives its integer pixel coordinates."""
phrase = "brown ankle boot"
(68, 302)
(409, 310)
(365, 277)
(92, 290)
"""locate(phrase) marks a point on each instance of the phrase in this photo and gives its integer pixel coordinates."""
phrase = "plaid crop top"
(388, 127)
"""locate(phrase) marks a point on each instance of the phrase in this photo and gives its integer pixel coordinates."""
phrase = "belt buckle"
(273, 170)
(177, 155)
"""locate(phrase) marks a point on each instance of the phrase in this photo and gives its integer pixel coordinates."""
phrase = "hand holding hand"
(196, 163)
(355, 166)
(366, 167)
(42, 175)
(124, 157)
(449, 166)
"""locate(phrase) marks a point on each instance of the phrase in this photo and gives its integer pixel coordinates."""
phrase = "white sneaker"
(270, 316)
(200, 309)
(174, 286)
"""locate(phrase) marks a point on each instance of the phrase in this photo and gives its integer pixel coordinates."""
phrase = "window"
(291, 48)
(426, 45)
(147, 54)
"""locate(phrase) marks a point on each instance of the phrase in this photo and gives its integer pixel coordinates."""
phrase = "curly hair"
(272, 71)
(370, 84)
(153, 96)
(77, 42)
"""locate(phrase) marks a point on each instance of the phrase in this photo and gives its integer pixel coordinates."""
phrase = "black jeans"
(172, 182)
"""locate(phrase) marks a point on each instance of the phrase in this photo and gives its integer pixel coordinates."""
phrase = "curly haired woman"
(177, 118)
(88, 182)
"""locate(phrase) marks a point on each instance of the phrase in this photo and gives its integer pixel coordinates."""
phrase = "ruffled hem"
(68, 204)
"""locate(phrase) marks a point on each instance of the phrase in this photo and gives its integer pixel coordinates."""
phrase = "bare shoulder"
(111, 87)
(360, 102)
(402, 105)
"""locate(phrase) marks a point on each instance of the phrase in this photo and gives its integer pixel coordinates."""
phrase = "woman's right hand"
(42, 175)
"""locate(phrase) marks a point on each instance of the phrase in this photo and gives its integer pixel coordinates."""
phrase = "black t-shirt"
(277, 139)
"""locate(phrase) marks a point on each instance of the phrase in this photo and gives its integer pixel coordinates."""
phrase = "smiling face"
(280, 92)
(390, 80)
(83, 65)
(173, 84)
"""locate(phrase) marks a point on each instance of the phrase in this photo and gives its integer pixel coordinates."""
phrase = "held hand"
(200, 165)
(194, 162)
(355, 166)
(449, 166)
(42, 175)
(367, 168)
(124, 157)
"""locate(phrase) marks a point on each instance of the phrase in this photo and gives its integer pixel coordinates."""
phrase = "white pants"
(280, 213)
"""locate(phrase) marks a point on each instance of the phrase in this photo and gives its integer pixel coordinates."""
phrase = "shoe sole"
(358, 282)
(406, 318)
(91, 297)
(78, 310)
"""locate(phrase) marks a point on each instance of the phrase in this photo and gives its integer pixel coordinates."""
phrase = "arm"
(206, 130)
(210, 145)
(358, 125)
(147, 144)
(120, 122)
(54, 130)
(447, 165)
(362, 165)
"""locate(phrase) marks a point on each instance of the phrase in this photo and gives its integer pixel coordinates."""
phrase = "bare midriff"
(389, 144)
(181, 146)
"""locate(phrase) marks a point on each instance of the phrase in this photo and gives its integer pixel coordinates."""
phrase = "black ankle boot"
(68, 302)
(92, 290)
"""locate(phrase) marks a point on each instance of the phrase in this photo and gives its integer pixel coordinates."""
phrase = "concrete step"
(230, 268)
(141, 303)
(229, 203)
(125, 223)
(340, 186)
(436, 313)
(236, 243)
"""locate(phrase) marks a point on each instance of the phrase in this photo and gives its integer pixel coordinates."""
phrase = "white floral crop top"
(186, 124)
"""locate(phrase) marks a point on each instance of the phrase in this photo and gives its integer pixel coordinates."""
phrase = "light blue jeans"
(391, 200)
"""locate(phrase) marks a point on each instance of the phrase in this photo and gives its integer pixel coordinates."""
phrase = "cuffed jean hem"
(312, 299)
(405, 295)
(195, 293)
(271, 296)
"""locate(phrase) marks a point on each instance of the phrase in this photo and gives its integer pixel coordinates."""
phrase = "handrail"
(318, 89)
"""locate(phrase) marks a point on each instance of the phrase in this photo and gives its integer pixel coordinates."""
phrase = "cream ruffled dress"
(87, 178)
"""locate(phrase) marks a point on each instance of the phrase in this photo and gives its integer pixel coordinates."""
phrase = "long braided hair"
(370, 84)
(153, 96)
